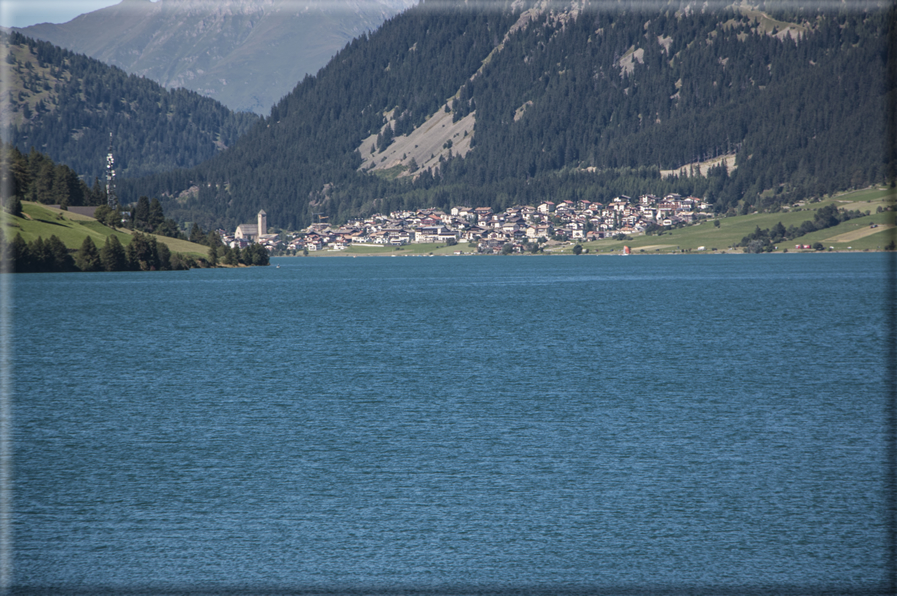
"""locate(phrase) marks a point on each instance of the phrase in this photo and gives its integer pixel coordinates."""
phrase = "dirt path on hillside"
(653, 247)
(857, 234)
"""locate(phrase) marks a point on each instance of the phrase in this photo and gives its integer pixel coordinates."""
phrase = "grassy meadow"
(856, 234)
(43, 221)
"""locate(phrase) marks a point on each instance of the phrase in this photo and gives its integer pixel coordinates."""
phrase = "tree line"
(142, 253)
(35, 177)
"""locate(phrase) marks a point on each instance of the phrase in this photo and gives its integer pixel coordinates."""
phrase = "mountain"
(67, 105)
(247, 54)
(451, 103)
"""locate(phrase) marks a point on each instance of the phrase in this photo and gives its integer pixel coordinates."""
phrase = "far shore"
(568, 252)
(873, 231)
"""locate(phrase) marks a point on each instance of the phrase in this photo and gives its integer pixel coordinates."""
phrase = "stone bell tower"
(263, 223)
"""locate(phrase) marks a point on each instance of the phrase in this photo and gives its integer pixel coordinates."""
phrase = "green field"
(71, 228)
(732, 229)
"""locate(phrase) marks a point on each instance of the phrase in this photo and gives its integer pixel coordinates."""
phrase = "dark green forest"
(66, 105)
(804, 117)
(33, 176)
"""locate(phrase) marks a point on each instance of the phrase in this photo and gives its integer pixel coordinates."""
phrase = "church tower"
(263, 223)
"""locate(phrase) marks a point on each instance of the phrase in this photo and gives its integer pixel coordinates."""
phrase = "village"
(515, 229)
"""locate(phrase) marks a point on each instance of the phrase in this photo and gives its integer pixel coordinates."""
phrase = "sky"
(22, 13)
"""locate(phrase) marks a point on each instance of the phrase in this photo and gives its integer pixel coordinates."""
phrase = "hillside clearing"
(656, 247)
(435, 139)
(857, 234)
(701, 168)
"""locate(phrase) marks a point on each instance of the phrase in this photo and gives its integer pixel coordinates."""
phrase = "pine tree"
(197, 235)
(112, 255)
(88, 257)
(231, 256)
(58, 257)
(21, 255)
(14, 206)
(163, 256)
(142, 253)
(41, 259)
(97, 194)
(141, 213)
(155, 217)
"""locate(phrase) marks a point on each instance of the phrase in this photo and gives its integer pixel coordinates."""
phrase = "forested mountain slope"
(66, 105)
(563, 104)
(247, 54)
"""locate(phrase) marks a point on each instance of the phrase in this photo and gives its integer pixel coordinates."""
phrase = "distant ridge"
(247, 54)
(526, 102)
(66, 105)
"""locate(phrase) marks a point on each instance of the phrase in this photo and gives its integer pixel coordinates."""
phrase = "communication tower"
(111, 198)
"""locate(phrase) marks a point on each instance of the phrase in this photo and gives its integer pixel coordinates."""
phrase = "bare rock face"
(247, 54)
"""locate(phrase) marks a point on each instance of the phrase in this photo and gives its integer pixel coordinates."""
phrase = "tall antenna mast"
(111, 198)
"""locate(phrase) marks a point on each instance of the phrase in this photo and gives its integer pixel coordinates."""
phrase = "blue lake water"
(637, 424)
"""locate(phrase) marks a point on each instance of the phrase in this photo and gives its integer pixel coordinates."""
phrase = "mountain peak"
(247, 54)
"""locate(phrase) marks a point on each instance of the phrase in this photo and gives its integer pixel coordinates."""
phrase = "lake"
(649, 424)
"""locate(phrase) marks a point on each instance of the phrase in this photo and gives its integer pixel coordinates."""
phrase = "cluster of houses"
(518, 226)
(489, 231)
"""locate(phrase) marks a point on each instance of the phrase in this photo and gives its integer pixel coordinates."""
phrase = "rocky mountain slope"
(247, 54)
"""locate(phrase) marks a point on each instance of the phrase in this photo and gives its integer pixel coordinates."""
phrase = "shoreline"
(345, 254)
